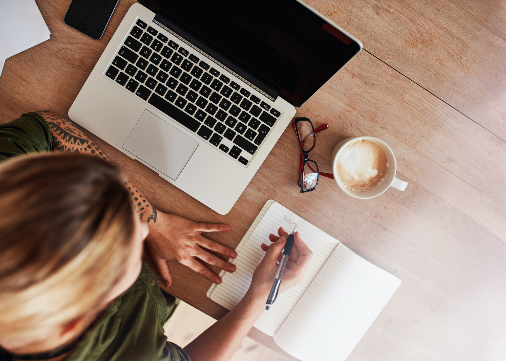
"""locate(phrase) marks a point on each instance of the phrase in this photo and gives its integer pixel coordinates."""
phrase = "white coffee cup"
(389, 181)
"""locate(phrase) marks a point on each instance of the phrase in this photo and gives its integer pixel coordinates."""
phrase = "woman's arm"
(220, 341)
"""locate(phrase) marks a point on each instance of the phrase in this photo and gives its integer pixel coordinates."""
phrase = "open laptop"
(200, 91)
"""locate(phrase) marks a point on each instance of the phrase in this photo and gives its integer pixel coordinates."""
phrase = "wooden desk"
(443, 116)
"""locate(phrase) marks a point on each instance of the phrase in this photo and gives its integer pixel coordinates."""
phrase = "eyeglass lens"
(306, 135)
(310, 176)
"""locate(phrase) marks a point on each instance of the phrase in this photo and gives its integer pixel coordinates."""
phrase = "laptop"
(200, 91)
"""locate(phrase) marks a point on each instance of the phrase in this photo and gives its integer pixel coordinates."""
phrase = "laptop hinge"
(215, 57)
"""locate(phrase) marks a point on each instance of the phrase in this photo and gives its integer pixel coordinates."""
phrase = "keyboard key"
(191, 96)
(194, 58)
(224, 79)
(201, 102)
(176, 58)
(152, 31)
(245, 104)
(254, 99)
(132, 43)
(236, 98)
(181, 102)
(214, 72)
(231, 121)
(245, 92)
(173, 45)
(119, 62)
(250, 134)
(141, 76)
(254, 123)
(162, 76)
(206, 78)
(240, 128)
(132, 85)
(197, 72)
(215, 97)
(229, 134)
(166, 52)
(142, 63)
(171, 96)
(221, 115)
(172, 83)
(175, 72)
(211, 108)
(151, 83)
(235, 110)
(244, 117)
(131, 70)
(267, 119)
(121, 78)
(186, 65)
(234, 152)
(141, 23)
(156, 45)
(205, 91)
(128, 54)
(245, 144)
(265, 106)
(224, 148)
(235, 86)
(262, 133)
(210, 121)
(143, 92)
(255, 111)
(243, 160)
(205, 132)
(195, 84)
(161, 89)
(184, 51)
(264, 129)
(226, 91)
(182, 89)
(216, 84)
(185, 78)
(190, 108)
(225, 104)
(200, 115)
(215, 139)
(145, 52)
(162, 38)
(275, 112)
(173, 112)
(204, 65)
(220, 128)
(155, 58)
(146, 39)
(152, 70)
(112, 72)
(165, 65)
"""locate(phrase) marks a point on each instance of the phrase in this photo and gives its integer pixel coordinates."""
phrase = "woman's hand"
(176, 238)
(296, 265)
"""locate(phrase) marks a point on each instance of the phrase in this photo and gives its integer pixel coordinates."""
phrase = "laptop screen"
(279, 42)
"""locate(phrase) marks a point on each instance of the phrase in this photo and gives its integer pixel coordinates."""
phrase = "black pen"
(277, 281)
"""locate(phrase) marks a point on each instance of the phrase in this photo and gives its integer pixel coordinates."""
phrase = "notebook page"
(234, 285)
(337, 309)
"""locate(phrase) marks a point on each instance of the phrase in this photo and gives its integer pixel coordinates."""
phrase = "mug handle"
(399, 184)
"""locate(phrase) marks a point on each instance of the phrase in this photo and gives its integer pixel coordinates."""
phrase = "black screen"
(90, 16)
(281, 42)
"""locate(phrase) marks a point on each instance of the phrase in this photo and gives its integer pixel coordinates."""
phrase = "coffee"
(362, 165)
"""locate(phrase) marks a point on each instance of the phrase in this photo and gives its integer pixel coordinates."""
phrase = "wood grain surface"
(430, 85)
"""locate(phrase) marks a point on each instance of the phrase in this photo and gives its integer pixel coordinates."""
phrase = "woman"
(72, 283)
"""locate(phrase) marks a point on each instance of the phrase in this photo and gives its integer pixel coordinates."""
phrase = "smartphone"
(90, 16)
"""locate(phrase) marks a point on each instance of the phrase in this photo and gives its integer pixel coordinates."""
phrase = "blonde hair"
(66, 231)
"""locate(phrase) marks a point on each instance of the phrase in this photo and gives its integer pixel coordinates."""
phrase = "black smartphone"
(90, 16)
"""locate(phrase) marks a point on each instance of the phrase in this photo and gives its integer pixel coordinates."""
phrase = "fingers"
(302, 248)
(198, 267)
(215, 261)
(274, 250)
(211, 227)
(216, 247)
(273, 237)
(282, 232)
(163, 269)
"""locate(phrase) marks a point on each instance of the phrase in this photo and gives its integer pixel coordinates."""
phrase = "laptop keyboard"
(184, 86)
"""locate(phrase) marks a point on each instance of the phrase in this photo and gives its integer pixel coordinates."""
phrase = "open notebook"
(324, 317)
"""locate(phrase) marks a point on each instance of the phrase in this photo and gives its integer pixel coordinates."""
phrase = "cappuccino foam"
(362, 165)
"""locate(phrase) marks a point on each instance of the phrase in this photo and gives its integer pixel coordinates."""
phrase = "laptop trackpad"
(160, 145)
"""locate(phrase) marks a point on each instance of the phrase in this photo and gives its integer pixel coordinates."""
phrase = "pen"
(277, 280)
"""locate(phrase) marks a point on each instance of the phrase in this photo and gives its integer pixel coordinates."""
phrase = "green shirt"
(130, 329)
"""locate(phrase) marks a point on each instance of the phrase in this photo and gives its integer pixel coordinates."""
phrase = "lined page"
(337, 309)
(249, 255)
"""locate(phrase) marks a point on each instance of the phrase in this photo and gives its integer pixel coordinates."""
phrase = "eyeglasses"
(308, 172)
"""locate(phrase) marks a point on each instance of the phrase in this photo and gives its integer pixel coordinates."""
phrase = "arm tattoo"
(141, 204)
